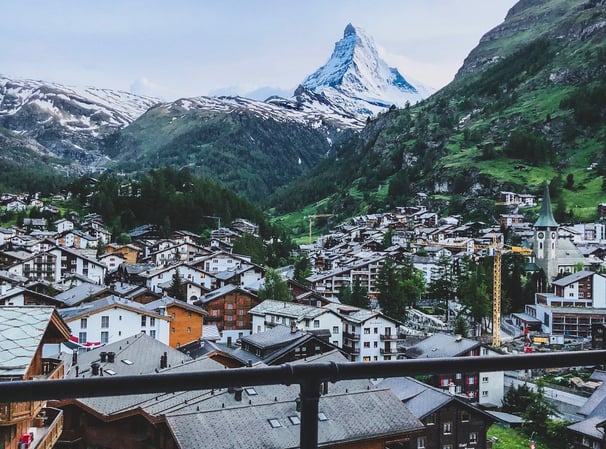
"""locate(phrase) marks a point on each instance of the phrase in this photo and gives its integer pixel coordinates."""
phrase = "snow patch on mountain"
(358, 81)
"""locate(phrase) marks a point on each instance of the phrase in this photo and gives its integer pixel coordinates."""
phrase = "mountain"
(357, 80)
(252, 147)
(66, 122)
(528, 106)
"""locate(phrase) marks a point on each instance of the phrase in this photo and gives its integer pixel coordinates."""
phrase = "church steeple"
(546, 219)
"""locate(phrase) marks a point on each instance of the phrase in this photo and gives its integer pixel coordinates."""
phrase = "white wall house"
(271, 313)
(111, 319)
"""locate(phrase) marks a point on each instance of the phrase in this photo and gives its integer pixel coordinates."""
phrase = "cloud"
(146, 87)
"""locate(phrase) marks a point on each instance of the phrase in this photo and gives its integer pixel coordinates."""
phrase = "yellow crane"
(497, 251)
(496, 287)
(311, 217)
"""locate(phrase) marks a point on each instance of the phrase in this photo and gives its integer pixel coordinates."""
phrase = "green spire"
(546, 219)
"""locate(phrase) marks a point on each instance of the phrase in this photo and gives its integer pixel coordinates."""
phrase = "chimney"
(298, 404)
(164, 361)
(238, 394)
(95, 368)
(451, 388)
(77, 370)
(111, 357)
(103, 356)
(75, 357)
(249, 363)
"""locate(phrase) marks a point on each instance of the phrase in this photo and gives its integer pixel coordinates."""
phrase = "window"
(473, 437)
(367, 344)
(316, 324)
(335, 329)
(335, 342)
(464, 417)
(83, 323)
(274, 423)
(152, 321)
(189, 330)
(458, 376)
(294, 420)
(447, 446)
(229, 306)
(241, 312)
(375, 344)
(143, 321)
(367, 330)
(471, 380)
(430, 420)
(447, 428)
(82, 337)
(444, 382)
(172, 330)
(484, 379)
(485, 393)
(152, 334)
(240, 324)
(376, 330)
(229, 318)
(104, 337)
(421, 443)
(215, 312)
(105, 322)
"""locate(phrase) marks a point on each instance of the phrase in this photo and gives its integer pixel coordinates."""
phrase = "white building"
(111, 319)
(271, 313)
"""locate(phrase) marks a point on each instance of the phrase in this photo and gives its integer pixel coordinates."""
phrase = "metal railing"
(309, 376)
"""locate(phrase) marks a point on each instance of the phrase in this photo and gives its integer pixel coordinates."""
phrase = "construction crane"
(311, 217)
(497, 251)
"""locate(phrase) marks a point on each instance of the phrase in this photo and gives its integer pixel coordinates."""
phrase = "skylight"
(250, 391)
(111, 372)
(294, 419)
(126, 361)
(274, 423)
(322, 417)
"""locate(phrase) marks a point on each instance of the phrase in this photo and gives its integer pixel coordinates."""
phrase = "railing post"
(310, 398)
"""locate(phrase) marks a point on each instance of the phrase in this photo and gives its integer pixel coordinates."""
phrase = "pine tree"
(274, 287)
(176, 289)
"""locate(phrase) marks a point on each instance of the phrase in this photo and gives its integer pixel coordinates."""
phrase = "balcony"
(47, 428)
(392, 351)
(308, 376)
(392, 337)
(52, 369)
(349, 336)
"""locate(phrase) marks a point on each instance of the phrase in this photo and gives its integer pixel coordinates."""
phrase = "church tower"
(546, 238)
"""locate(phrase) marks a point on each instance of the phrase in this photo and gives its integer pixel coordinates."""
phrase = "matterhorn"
(355, 79)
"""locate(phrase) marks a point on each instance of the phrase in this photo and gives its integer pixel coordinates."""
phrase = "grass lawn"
(510, 438)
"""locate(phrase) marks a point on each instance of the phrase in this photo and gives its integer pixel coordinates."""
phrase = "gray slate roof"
(350, 417)
(21, 331)
(441, 345)
(77, 294)
(287, 309)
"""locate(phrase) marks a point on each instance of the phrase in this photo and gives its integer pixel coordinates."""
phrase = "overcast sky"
(187, 48)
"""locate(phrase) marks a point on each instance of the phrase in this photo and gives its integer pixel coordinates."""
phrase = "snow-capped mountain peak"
(356, 78)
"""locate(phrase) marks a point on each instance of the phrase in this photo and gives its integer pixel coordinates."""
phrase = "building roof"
(350, 417)
(276, 336)
(71, 313)
(287, 309)
(441, 345)
(21, 332)
(574, 277)
(76, 295)
(168, 301)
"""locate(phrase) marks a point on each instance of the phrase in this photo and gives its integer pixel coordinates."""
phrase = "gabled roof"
(22, 330)
(441, 345)
(219, 292)
(169, 301)
(287, 309)
(72, 313)
(76, 295)
(572, 278)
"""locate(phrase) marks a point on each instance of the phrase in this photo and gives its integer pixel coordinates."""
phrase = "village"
(156, 305)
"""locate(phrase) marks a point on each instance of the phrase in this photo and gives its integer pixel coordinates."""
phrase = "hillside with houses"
(198, 301)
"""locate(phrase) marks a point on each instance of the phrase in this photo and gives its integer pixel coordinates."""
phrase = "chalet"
(271, 313)
(241, 226)
(35, 223)
(84, 292)
(220, 261)
(367, 335)
(590, 432)
(24, 334)
(21, 296)
(480, 387)
(112, 261)
(129, 252)
(228, 307)
(16, 206)
(450, 421)
(187, 319)
(63, 225)
(72, 261)
(112, 318)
